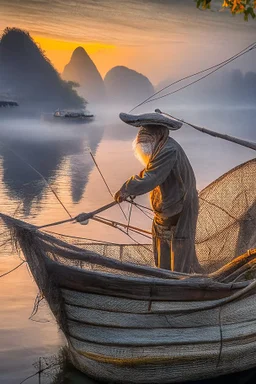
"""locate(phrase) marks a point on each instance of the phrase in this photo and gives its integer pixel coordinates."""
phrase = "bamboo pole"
(114, 224)
(244, 143)
(81, 217)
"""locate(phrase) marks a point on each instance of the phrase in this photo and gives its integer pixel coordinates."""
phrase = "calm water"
(61, 154)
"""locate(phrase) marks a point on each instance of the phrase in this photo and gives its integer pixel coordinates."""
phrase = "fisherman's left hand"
(120, 196)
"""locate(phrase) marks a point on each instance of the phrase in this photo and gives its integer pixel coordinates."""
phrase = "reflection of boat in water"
(66, 116)
(128, 322)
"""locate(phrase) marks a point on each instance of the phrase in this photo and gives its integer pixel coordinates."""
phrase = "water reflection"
(81, 163)
(72, 376)
(46, 155)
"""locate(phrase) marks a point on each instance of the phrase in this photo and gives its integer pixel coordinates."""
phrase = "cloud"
(119, 22)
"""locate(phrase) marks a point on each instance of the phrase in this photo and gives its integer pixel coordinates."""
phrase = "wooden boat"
(8, 104)
(65, 116)
(126, 321)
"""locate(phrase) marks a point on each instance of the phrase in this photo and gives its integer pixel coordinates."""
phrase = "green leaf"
(251, 12)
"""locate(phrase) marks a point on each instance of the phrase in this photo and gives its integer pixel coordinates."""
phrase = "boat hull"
(131, 341)
(128, 323)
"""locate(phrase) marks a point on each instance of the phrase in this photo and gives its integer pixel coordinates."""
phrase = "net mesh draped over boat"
(226, 226)
(225, 229)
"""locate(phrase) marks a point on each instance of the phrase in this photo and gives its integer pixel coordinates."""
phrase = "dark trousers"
(172, 253)
(163, 242)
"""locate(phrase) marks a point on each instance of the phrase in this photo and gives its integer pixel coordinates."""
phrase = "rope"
(195, 81)
(139, 205)
(214, 67)
(105, 182)
(14, 269)
(129, 216)
(141, 210)
(38, 299)
(98, 168)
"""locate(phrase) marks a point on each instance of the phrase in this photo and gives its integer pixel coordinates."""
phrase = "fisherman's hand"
(82, 218)
(120, 196)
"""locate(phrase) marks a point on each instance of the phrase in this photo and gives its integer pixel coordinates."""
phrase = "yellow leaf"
(234, 6)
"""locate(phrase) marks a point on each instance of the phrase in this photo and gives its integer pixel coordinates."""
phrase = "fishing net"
(227, 217)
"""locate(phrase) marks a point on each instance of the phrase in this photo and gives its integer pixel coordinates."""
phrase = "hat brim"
(150, 119)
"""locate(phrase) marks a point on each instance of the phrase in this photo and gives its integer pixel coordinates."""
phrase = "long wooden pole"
(81, 217)
(244, 143)
(113, 223)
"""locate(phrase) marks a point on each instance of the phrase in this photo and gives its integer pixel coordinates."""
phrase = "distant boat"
(69, 116)
(8, 104)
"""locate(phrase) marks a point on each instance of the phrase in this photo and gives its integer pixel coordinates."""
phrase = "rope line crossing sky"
(214, 68)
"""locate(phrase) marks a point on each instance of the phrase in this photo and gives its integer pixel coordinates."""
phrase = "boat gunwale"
(74, 278)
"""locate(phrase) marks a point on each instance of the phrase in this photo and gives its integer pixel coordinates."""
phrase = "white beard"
(143, 151)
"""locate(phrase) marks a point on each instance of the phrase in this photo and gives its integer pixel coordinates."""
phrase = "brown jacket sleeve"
(153, 175)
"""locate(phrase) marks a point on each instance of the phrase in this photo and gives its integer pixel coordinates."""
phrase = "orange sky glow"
(160, 39)
(60, 51)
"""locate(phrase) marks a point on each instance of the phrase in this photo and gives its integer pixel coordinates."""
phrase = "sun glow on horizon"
(59, 51)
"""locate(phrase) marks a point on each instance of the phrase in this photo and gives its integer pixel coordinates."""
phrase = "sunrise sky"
(159, 38)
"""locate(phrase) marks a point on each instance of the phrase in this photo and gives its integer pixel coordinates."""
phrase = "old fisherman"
(170, 179)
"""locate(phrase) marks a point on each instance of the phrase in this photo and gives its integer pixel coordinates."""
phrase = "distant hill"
(28, 75)
(124, 85)
(82, 70)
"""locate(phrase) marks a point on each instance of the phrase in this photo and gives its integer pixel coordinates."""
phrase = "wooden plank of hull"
(141, 321)
(232, 359)
(119, 304)
(143, 354)
(142, 288)
(161, 336)
(231, 313)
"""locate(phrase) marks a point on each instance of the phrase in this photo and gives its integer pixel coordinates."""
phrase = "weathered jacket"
(171, 180)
